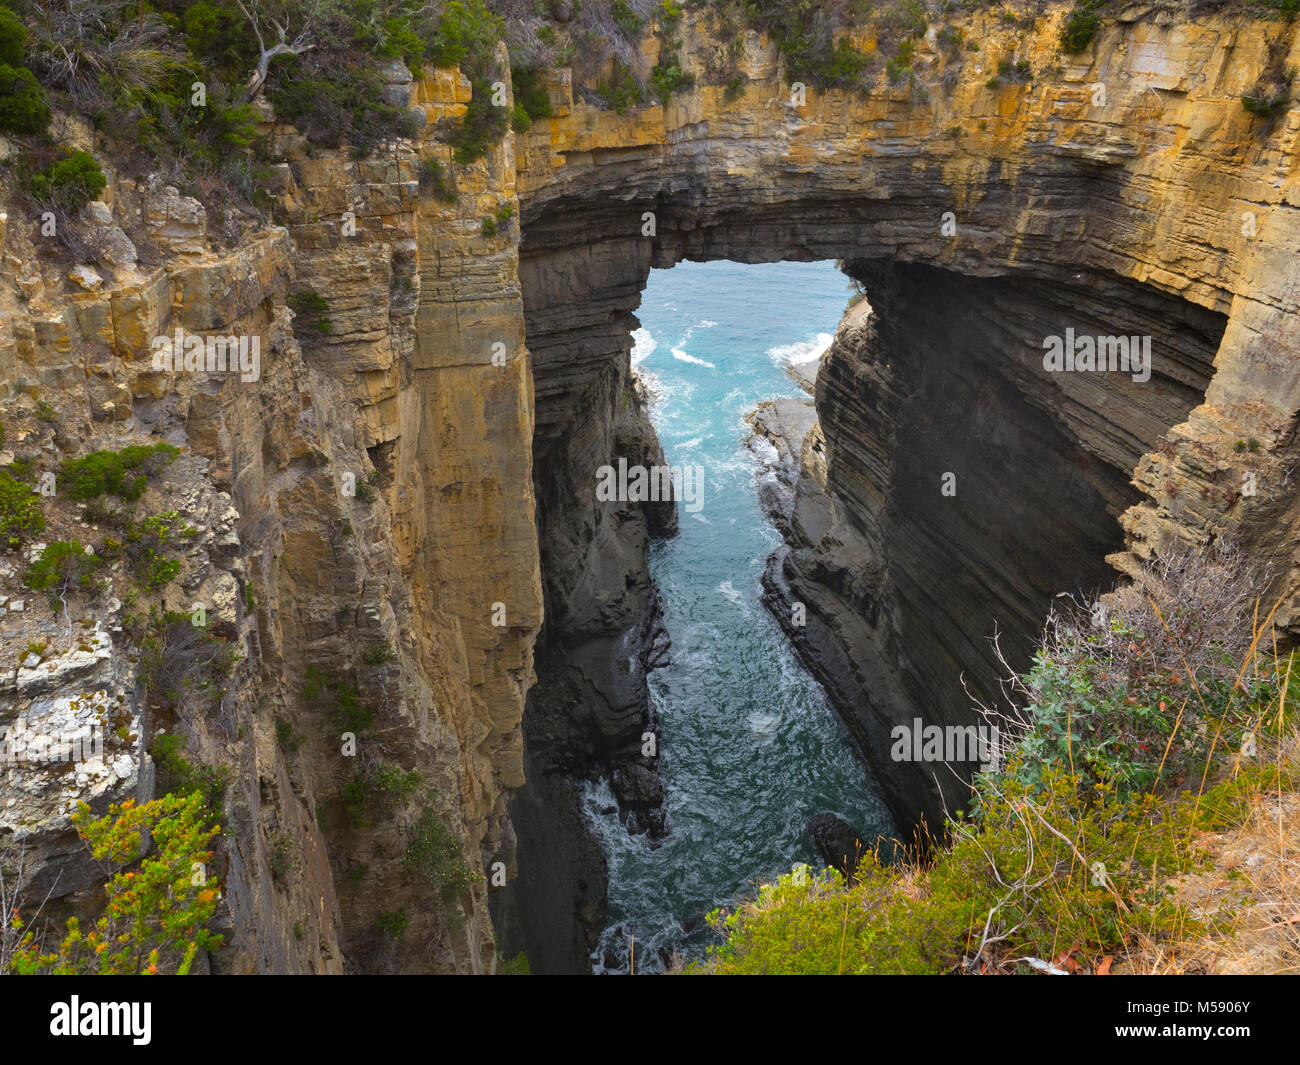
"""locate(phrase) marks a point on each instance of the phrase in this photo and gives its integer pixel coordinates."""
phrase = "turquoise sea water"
(749, 747)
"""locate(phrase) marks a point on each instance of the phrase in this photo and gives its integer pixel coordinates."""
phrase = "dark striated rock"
(837, 842)
(904, 587)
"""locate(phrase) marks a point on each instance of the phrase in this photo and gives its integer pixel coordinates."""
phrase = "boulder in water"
(837, 842)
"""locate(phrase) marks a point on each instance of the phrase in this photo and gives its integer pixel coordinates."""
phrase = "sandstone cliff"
(472, 384)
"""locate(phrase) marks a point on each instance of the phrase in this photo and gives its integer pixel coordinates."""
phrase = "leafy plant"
(434, 854)
(311, 306)
(434, 177)
(338, 699)
(23, 106)
(124, 473)
(13, 37)
(393, 923)
(177, 775)
(69, 183)
(64, 566)
(1080, 26)
(158, 908)
(21, 515)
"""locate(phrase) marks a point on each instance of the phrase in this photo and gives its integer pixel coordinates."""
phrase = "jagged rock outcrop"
(379, 463)
(981, 220)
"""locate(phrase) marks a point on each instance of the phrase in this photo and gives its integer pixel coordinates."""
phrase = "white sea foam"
(730, 592)
(707, 324)
(642, 345)
(803, 351)
(679, 354)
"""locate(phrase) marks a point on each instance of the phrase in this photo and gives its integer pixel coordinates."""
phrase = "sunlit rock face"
(496, 614)
(980, 222)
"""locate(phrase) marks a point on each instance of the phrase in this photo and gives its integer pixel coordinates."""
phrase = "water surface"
(749, 747)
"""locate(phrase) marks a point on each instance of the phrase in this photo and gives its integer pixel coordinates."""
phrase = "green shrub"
(628, 21)
(335, 101)
(670, 14)
(899, 67)
(157, 910)
(124, 473)
(466, 32)
(1140, 737)
(905, 18)
(177, 775)
(146, 546)
(288, 737)
(311, 306)
(393, 923)
(811, 55)
(1266, 106)
(13, 36)
(282, 857)
(21, 515)
(394, 783)
(1039, 889)
(622, 90)
(482, 125)
(64, 566)
(530, 92)
(69, 183)
(339, 700)
(1080, 27)
(667, 76)
(434, 854)
(23, 106)
(434, 178)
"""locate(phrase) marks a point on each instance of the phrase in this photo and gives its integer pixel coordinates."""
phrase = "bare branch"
(300, 44)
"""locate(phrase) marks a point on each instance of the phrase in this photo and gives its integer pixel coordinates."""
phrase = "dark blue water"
(749, 748)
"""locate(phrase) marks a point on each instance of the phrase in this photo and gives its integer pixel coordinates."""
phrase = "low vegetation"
(159, 904)
(124, 473)
(337, 700)
(184, 665)
(1141, 728)
(21, 514)
(434, 854)
(64, 567)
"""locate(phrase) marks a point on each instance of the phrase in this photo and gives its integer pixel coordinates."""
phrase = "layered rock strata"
(474, 384)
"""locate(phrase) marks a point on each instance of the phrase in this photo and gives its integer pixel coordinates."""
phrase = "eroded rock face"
(982, 220)
(365, 491)
(473, 386)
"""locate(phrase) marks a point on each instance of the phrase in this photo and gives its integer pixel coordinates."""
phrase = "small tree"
(300, 44)
(159, 906)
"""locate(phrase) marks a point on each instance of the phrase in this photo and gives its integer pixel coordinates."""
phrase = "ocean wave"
(803, 351)
(642, 345)
(679, 354)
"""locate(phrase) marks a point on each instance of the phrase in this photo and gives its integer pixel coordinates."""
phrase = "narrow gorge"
(402, 507)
